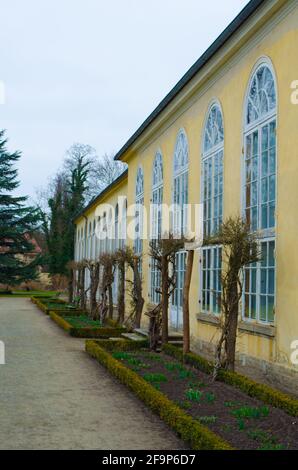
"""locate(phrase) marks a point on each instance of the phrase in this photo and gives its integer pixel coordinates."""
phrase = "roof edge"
(238, 21)
(101, 194)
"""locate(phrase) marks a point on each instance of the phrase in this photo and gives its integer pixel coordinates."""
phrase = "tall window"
(180, 200)
(180, 189)
(138, 243)
(212, 200)
(89, 240)
(122, 225)
(156, 221)
(259, 192)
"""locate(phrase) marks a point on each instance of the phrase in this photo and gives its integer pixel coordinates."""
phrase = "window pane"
(270, 309)
(263, 313)
(253, 308)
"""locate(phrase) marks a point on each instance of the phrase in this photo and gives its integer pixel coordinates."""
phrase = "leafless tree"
(163, 254)
(239, 249)
(186, 289)
(105, 171)
(107, 265)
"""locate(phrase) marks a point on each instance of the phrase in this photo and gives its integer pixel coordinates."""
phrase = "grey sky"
(91, 71)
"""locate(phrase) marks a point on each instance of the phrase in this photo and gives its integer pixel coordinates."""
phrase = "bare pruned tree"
(239, 249)
(105, 171)
(163, 254)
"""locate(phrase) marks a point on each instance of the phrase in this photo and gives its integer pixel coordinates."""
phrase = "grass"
(155, 378)
(121, 355)
(193, 395)
(267, 441)
(207, 419)
(82, 320)
(25, 293)
(251, 412)
(231, 404)
(210, 397)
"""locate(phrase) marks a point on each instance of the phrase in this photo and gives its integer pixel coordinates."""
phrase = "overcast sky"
(91, 71)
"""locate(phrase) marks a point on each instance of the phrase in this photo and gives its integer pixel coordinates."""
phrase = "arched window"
(122, 231)
(156, 221)
(98, 239)
(259, 191)
(212, 200)
(117, 227)
(180, 187)
(89, 240)
(180, 201)
(104, 234)
(157, 196)
(138, 245)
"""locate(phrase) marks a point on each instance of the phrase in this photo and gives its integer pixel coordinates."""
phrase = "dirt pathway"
(54, 396)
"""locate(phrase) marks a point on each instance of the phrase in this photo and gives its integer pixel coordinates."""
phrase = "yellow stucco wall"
(279, 45)
(276, 38)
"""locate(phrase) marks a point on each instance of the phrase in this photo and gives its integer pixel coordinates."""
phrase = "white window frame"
(266, 235)
(139, 214)
(179, 222)
(156, 223)
(209, 155)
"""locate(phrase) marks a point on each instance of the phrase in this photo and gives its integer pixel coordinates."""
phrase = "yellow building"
(226, 137)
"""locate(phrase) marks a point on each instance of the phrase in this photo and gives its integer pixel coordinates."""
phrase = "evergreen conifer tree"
(17, 223)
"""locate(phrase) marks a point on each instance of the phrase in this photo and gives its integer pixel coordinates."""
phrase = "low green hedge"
(254, 389)
(85, 331)
(45, 304)
(122, 344)
(187, 428)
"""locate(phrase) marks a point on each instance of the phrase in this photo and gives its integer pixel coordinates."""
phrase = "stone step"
(133, 336)
(173, 335)
(141, 331)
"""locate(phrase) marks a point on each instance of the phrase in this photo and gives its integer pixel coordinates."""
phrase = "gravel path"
(54, 396)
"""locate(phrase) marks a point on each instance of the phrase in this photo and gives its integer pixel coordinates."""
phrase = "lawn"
(243, 421)
(24, 293)
(81, 321)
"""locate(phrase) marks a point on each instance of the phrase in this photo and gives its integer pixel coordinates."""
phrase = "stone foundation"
(277, 375)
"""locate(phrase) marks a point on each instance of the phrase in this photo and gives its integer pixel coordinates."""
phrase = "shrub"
(85, 332)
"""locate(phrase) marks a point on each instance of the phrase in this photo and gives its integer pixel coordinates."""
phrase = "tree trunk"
(164, 301)
(70, 286)
(111, 306)
(230, 345)
(93, 291)
(186, 288)
(121, 293)
(83, 295)
(138, 294)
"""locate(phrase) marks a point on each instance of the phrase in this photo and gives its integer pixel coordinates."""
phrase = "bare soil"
(245, 422)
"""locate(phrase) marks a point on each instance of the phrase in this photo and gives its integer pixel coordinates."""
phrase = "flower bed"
(250, 387)
(243, 421)
(83, 327)
(190, 430)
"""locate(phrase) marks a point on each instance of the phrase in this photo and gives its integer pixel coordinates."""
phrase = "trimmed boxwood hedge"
(86, 331)
(45, 304)
(187, 428)
(254, 389)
